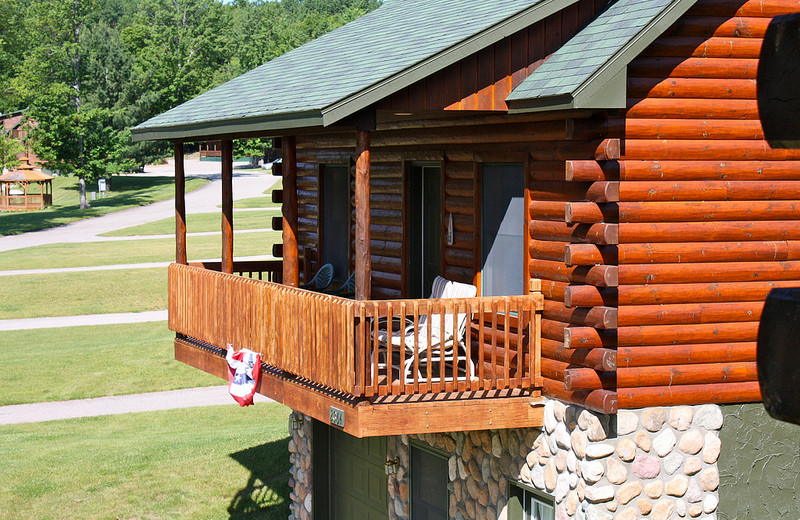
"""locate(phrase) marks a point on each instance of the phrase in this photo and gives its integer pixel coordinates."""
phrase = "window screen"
(502, 228)
(429, 478)
(336, 219)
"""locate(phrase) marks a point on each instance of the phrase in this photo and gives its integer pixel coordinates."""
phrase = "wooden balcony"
(334, 359)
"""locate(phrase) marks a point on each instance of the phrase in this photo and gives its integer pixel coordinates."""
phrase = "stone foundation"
(300, 472)
(654, 463)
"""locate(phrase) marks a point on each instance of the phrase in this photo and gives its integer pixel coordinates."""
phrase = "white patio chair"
(445, 344)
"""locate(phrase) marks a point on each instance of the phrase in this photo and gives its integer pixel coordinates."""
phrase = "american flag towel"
(244, 370)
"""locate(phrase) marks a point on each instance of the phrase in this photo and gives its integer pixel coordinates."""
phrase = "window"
(429, 479)
(424, 196)
(502, 229)
(526, 504)
(335, 215)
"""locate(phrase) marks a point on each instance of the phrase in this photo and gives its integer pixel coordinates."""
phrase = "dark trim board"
(378, 417)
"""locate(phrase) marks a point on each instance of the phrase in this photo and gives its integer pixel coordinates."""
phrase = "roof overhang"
(232, 127)
(606, 88)
(352, 104)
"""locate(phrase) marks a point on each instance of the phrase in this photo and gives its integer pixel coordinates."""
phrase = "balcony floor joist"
(381, 416)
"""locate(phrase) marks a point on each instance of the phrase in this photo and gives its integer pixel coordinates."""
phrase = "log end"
(277, 196)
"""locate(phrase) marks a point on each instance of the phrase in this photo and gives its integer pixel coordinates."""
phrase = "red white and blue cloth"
(244, 370)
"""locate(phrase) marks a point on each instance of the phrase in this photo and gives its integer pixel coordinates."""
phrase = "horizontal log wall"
(706, 213)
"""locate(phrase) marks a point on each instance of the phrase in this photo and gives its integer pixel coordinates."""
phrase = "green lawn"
(84, 362)
(126, 192)
(222, 462)
(202, 222)
(260, 202)
(131, 252)
(73, 294)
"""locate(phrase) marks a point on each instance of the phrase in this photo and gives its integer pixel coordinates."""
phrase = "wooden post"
(227, 206)
(180, 205)
(291, 254)
(363, 264)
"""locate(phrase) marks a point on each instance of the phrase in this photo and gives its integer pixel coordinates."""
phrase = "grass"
(201, 222)
(260, 202)
(197, 463)
(85, 362)
(130, 252)
(74, 294)
(127, 191)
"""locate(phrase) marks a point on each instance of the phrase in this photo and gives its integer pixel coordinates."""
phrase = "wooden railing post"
(227, 206)
(291, 254)
(363, 263)
(180, 205)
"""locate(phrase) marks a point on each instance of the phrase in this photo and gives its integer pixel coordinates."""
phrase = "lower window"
(524, 503)
(429, 478)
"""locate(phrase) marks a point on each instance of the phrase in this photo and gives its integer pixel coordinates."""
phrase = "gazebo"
(15, 193)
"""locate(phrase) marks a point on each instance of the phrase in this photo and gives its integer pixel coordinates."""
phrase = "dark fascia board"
(602, 89)
(440, 61)
(229, 127)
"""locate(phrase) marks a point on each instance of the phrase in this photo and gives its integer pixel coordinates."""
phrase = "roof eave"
(231, 127)
(378, 91)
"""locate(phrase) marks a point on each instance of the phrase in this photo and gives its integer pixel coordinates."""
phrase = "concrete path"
(246, 184)
(113, 318)
(58, 410)
(143, 265)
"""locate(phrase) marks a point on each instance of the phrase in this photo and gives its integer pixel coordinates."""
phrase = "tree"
(10, 147)
(252, 148)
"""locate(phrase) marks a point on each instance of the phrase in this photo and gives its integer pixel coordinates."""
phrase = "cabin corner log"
(589, 233)
(602, 359)
(580, 337)
(587, 379)
(680, 170)
(602, 401)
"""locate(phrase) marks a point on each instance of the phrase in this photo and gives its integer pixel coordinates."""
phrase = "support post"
(291, 255)
(363, 264)
(227, 206)
(180, 205)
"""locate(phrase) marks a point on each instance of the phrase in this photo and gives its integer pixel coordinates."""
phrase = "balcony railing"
(364, 348)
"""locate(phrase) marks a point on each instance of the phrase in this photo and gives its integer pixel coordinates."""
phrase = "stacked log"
(707, 212)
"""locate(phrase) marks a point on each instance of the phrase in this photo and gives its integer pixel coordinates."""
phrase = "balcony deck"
(329, 357)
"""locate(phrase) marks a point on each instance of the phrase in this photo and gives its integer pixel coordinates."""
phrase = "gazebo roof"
(25, 173)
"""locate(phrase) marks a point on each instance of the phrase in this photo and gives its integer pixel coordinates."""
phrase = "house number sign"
(336, 416)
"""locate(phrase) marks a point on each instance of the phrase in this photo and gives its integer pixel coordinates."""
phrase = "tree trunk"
(82, 185)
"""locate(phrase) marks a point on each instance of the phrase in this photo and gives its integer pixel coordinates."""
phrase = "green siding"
(759, 465)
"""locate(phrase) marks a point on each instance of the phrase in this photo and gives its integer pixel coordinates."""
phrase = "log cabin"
(597, 173)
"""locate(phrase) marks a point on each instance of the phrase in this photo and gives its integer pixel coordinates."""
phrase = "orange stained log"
(363, 265)
(227, 206)
(180, 205)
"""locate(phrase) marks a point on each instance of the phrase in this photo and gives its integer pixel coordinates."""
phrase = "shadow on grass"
(127, 191)
(266, 494)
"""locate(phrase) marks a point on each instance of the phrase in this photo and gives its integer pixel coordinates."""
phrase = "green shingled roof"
(350, 68)
(589, 71)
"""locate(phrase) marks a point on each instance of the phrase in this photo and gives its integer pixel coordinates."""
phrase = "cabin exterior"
(598, 172)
